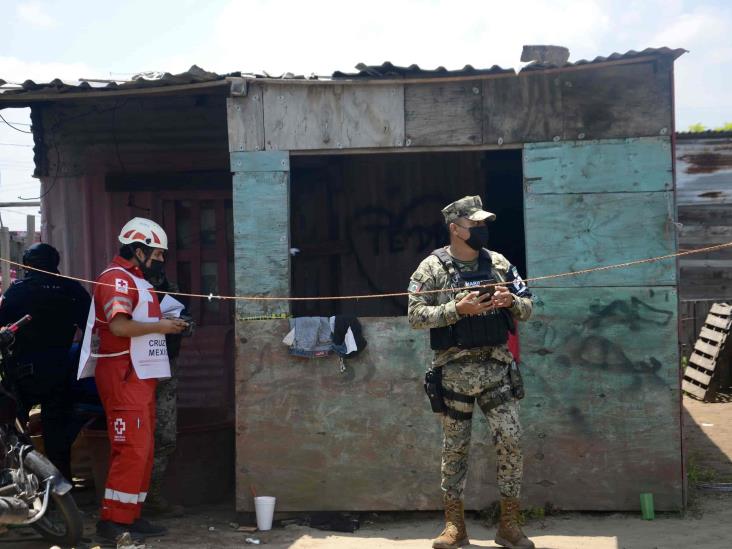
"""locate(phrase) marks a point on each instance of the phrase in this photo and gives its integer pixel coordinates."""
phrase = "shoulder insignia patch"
(414, 286)
(121, 285)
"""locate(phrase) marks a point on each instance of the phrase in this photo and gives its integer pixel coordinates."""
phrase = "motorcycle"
(32, 490)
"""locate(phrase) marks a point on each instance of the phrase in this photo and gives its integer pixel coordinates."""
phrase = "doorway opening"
(362, 223)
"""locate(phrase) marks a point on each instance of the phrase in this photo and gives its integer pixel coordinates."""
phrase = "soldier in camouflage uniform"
(473, 374)
(166, 420)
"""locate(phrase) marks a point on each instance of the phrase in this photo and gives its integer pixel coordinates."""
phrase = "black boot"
(113, 531)
(147, 528)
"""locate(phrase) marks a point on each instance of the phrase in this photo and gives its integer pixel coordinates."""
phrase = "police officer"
(468, 333)
(39, 367)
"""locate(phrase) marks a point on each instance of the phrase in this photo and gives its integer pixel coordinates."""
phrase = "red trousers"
(129, 404)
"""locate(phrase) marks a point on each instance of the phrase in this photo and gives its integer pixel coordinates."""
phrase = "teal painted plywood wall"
(601, 350)
(261, 230)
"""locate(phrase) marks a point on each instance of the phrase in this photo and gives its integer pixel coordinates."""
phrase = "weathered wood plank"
(707, 349)
(623, 165)
(522, 109)
(704, 234)
(721, 196)
(704, 362)
(712, 335)
(262, 258)
(705, 283)
(265, 161)
(715, 255)
(706, 264)
(718, 322)
(704, 214)
(695, 390)
(245, 119)
(633, 100)
(601, 367)
(333, 117)
(697, 375)
(443, 114)
(568, 233)
(721, 309)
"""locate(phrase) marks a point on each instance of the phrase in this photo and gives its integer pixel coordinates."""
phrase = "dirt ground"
(706, 524)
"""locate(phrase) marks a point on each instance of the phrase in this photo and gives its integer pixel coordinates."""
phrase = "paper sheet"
(171, 307)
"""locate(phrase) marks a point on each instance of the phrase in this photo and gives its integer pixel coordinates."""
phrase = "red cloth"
(513, 345)
(129, 402)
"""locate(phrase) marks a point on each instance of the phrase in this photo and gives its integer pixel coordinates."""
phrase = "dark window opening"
(362, 223)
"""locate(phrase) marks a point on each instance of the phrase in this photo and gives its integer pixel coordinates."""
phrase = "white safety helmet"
(144, 231)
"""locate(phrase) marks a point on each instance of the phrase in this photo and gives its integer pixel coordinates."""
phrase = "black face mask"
(478, 237)
(154, 272)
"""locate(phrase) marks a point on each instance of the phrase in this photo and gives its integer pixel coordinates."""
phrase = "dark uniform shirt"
(57, 306)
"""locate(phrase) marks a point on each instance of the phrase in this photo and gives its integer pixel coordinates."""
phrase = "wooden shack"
(336, 190)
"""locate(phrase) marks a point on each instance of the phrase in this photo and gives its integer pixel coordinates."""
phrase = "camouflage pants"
(166, 431)
(480, 380)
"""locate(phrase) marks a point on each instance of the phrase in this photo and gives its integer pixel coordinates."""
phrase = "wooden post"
(5, 254)
(30, 234)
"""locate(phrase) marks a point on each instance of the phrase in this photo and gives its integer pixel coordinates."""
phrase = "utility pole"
(30, 232)
(5, 254)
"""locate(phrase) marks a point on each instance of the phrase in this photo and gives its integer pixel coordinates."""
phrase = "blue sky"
(72, 39)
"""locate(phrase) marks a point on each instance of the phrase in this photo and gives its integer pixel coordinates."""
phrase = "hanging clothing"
(315, 337)
(310, 336)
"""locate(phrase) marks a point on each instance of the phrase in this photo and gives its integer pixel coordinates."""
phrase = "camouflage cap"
(470, 207)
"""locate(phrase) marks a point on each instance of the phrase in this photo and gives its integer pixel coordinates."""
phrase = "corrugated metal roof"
(631, 54)
(30, 91)
(390, 71)
(194, 75)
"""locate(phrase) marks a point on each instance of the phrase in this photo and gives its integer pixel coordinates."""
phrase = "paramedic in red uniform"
(129, 331)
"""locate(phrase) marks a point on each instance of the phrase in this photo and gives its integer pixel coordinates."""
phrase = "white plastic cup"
(264, 507)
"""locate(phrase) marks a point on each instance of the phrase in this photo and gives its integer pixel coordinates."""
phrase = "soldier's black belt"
(458, 415)
(452, 395)
(457, 397)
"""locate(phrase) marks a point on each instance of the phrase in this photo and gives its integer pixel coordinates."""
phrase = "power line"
(9, 124)
(14, 123)
(15, 145)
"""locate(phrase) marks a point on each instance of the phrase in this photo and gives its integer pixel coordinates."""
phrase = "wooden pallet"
(708, 349)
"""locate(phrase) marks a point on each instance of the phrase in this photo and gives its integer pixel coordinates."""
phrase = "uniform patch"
(519, 285)
(414, 286)
(121, 285)
(119, 430)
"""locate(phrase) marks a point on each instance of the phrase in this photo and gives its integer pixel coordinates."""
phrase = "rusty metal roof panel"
(631, 54)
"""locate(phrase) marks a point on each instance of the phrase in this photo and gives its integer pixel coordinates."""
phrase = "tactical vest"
(486, 330)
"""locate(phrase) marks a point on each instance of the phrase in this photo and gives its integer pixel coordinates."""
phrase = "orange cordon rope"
(395, 294)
